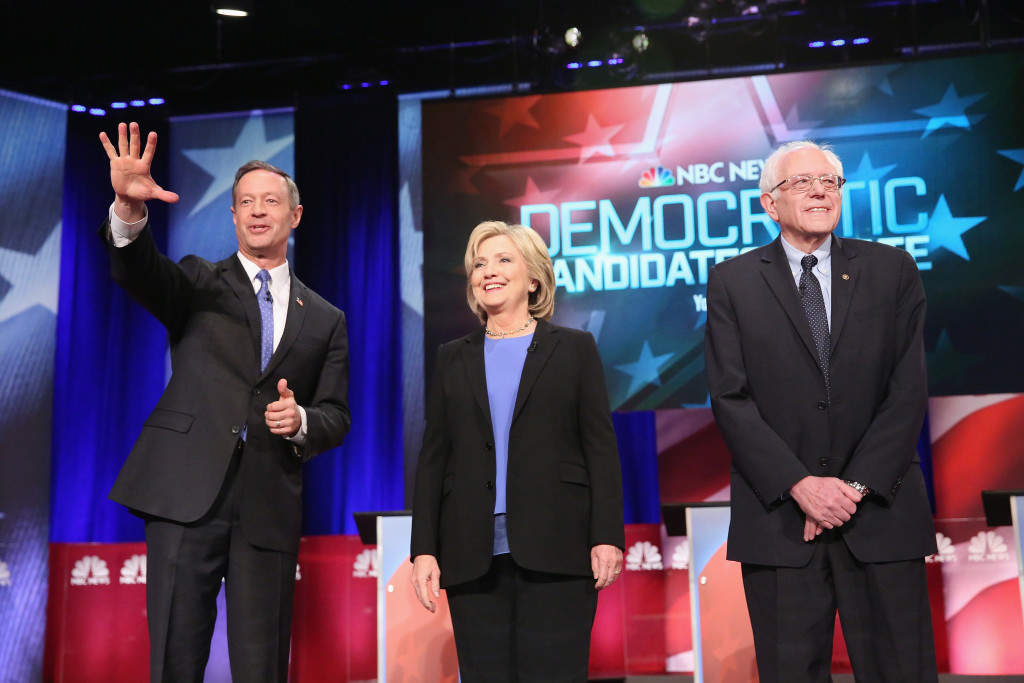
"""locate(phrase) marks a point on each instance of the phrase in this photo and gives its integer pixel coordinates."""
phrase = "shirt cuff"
(122, 234)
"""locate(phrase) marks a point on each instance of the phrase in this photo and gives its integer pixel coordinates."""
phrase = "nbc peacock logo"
(657, 176)
(90, 571)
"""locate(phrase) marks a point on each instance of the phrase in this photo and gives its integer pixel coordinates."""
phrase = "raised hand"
(130, 172)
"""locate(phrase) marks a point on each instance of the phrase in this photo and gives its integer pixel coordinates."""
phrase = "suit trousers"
(187, 563)
(514, 625)
(883, 608)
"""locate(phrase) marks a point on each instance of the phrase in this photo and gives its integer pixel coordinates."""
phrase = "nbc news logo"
(946, 553)
(365, 565)
(987, 546)
(657, 176)
(681, 556)
(90, 571)
(134, 570)
(644, 556)
(5, 574)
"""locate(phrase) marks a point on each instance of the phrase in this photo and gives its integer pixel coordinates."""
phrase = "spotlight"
(641, 42)
(118, 105)
(138, 103)
(573, 37)
(96, 111)
(156, 100)
(232, 8)
(78, 108)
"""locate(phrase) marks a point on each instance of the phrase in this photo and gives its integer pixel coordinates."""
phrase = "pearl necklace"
(500, 335)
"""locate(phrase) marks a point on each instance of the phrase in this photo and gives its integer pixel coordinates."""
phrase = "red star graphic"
(513, 110)
(463, 181)
(532, 195)
(595, 139)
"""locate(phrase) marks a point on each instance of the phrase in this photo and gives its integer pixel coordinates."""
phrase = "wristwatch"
(861, 488)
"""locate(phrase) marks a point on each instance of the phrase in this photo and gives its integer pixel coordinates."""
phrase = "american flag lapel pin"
(299, 301)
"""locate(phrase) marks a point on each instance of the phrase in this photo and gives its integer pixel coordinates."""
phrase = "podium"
(723, 643)
(1006, 508)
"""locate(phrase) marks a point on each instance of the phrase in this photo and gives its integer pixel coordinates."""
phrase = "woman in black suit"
(517, 510)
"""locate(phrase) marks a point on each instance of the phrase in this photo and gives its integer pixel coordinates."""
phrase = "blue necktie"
(814, 307)
(267, 319)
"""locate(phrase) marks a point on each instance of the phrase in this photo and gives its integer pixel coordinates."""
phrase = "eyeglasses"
(830, 182)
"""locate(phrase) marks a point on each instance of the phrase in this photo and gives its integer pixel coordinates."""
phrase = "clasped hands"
(827, 502)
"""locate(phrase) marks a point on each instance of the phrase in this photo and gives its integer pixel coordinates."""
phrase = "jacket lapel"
(780, 279)
(476, 374)
(545, 339)
(844, 281)
(234, 274)
(293, 323)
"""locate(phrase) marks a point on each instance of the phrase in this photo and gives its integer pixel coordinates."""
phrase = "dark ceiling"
(94, 52)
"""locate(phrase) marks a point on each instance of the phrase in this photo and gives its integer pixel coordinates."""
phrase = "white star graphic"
(411, 265)
(222, 162)
(34, 278)
(645, 369)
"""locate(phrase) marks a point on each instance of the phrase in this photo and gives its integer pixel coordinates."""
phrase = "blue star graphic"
(34, 278)
(645, 369)
(949, 111)
(945, 230)
(702, 319)
(867, 172)
(1014, 291)
(1015, 155)
(222, 162)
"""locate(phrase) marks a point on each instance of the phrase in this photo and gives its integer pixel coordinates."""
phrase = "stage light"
(640, 42)
(615, 60)
(156, 100)
(861, 41)
(816, 43)
(574, 65)
(384, 82)
(138, 103)
(118, 105)
(838, 42)
(594, 62)
(573, 37)
(96, 111)
(233, 8)
(78, 108)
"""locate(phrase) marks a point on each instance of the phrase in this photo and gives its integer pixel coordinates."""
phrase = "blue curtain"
(110, 353)
(346, 249)
(638, 453)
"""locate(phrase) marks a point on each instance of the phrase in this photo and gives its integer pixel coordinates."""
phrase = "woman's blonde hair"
(538, 265)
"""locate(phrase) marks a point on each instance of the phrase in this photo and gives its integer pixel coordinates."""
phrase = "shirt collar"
(794, 255)
(280, 276)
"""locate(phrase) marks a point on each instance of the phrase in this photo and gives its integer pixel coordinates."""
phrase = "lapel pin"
(845, 276)
(299, 301)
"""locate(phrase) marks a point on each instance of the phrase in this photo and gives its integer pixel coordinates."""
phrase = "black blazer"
(564, 488)
(768, 397)
(178, 464)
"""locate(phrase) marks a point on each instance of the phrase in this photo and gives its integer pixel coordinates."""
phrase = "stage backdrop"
(31, 180)
(639, 191)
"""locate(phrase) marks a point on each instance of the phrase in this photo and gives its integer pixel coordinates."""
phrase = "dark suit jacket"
(768, 397)
(564, 487)
(178, 464)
